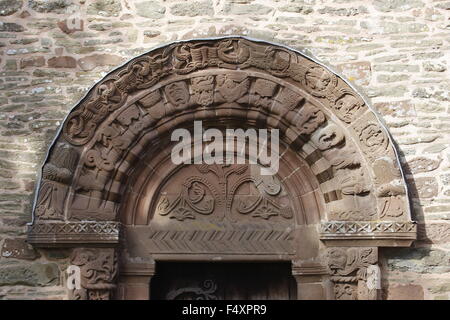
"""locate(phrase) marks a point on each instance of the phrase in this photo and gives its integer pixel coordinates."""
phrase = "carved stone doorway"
(110, 192)
(223, 281)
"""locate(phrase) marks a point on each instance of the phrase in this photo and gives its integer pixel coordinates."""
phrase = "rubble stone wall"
(395, 51)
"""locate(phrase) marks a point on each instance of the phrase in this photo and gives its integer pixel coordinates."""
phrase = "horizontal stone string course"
(69, 233)
(367, 227)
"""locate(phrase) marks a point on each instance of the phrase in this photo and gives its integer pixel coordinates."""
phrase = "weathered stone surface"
(397, 68)
(434, 66)
(91, 62)
(24, 41)
(405, 292)
(297, 8)
(390, 58)
(250, 9)
(57, 254)
(107, 8)
(437, 209)
(418, 139)
(32, 62)
(62, 62)
(364, 47)
(384, 78)
(420, 260)
(344, 12)
(433, 232)
(49, 73)
(10, 65)
(71, 25)
(423, 164)
(18, 249)
(435, 148)
(396, 108)
(387, 91)
(54, 6)
(150, 9)
(397, 5)
(11, 27)
(291, 20)
(387, 27)
(425, 187)
(358, 72)
(429, 107)
(36, 274)
(193, 8)
(441, 288)
(443, 5)
(151, 33)
(445, 179)
(403, 43)
(8, 7)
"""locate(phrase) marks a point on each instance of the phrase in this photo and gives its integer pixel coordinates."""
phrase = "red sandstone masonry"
(396, 51)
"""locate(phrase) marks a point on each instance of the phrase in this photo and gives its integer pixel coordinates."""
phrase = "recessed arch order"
(109, 190)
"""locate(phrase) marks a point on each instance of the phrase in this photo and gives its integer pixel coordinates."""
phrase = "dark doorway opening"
(222, 281)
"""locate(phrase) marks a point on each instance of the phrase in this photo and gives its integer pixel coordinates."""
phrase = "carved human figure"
(56, 176)
(347, 106)
(319, 81)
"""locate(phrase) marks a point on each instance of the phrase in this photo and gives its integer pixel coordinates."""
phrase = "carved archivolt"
(234, 78)
(110, 162)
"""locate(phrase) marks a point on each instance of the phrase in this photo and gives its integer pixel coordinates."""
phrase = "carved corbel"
(354, 273)
(97, 271)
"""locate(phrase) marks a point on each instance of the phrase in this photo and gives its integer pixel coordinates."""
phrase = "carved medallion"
(373, 140)
(347, 106)
(319, 81)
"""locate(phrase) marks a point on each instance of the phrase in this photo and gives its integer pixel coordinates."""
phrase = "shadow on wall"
(402, 268)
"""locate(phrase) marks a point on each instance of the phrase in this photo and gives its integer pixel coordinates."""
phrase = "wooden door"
(223, 281)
